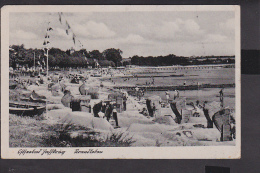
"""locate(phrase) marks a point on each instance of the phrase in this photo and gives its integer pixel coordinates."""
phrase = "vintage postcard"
(91, 82)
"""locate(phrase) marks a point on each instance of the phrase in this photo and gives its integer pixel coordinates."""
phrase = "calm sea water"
(191, 77)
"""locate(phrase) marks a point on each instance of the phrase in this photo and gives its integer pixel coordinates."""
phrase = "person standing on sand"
(197, 103)
(221, 97)
(167, 94)
(37, 83)
(149, 107)
(221, 92)
(97, 108)
(82, 88)
(154, 109)
(124, 101)
(176, 94)
(136, 90)
(115, 116)
(108, 111)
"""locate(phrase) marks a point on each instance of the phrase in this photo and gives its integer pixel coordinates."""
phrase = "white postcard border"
(195, 152)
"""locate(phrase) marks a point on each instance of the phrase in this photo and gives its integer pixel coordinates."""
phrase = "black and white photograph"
(121, 82)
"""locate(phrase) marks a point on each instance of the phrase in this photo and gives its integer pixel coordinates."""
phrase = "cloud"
(133, 39)
(167, 30)
(191, 27)
(228, 25)
(215, 38)
(181, 30)
(20, 34)
(60, 32)
(142, 33)
(94, 30)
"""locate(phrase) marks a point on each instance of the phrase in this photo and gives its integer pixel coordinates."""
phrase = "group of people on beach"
(108, 108)
(139, 92)
(175, 95)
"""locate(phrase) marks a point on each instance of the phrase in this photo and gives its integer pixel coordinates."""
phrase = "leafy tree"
(95, 54)
(113, 55)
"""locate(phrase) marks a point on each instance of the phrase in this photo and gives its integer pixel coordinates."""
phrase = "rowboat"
(33, 97)
(25, 109)
(12, 86)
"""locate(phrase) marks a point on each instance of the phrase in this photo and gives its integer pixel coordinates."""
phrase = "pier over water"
(179, 87)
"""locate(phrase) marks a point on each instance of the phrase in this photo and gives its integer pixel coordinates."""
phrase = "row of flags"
(68, 31)
(46, 42)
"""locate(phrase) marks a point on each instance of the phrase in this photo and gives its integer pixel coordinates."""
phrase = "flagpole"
(47, 63)
(34, 60)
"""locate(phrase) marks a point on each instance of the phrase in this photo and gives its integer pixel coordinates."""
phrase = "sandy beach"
(141, 130)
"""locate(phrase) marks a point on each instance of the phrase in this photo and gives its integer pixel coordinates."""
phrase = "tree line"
(172, 59)
(109, 57)
(63, 59)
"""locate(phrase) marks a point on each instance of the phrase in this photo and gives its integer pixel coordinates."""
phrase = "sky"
(150, 33)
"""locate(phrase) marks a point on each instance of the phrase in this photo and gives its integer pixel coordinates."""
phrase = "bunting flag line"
(60, 18)
(68, 27)
(47, 36)
(74, 37)
(80, 44)
(69, 30)
(49, 29)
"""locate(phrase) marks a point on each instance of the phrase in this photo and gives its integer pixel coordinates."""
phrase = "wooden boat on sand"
(26, 109)
(33, 97)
